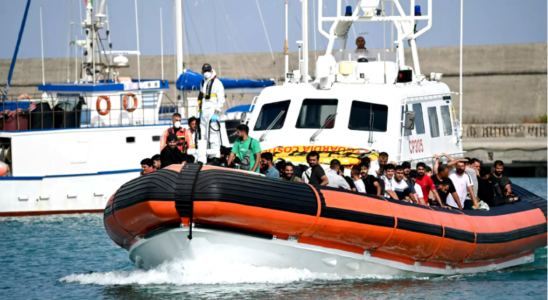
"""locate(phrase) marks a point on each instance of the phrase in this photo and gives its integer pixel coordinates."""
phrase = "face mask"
(177, 124)
(207, 75)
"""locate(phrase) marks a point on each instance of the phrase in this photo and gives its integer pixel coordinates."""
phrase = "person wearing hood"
(171, 155)
(211, 99)
(178, 131)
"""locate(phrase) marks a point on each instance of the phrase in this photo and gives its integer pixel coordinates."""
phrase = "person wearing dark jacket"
(171, 155)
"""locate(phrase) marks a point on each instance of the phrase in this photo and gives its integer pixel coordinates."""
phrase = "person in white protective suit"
(212, 97)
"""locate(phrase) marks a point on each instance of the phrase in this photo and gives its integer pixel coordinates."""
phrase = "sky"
(234, 26)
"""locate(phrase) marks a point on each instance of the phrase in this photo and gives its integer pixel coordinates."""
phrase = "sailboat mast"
(179, 32)
(14, 59)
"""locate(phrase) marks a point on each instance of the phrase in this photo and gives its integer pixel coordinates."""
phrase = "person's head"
(421, 169)
(413, 174)
(266, 159)
(207, 71)
(280, 166)
(428, 171)
(242, 131)
(335, 165)
(399, 173)
(313, 158)
(364, 170)
(383, 159)
(176, 120)
(389, 171)
(172, 141)
(475, 164)
(365, 160)
(498, 167)
(341, 171)
(192, 123)
(360, 42)
(443, 171)
(288, 170)
(406, 168)
(147, 166)
(467, 161)
(356, 171)
(484, 173)
(443, 187)
(157, 161)
(460, 167)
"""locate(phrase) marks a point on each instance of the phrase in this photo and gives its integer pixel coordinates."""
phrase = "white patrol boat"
(70, 148)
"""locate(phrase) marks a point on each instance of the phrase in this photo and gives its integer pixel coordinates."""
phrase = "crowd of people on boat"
(458, 184)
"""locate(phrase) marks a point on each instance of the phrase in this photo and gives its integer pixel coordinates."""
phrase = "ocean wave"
(53, 218)
(180, 272)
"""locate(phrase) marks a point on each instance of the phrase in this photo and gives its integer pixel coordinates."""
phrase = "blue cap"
(417, 10)
(348, 11)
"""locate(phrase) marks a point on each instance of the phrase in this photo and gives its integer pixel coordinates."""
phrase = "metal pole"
(14, 59)
(460, 72)
(138, 52)
(305, 40)
(162, 43)
(179, 32)
(286, 46)
(392, 30)
(42, 47)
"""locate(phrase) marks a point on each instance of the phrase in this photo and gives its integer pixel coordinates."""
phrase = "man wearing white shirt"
(463, 186)
(335, 180)
(388, 179)
(358, 182)
(377, 166)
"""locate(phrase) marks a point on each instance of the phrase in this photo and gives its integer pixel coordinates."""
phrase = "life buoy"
(135, 102)
(98, 105)
(24, 96)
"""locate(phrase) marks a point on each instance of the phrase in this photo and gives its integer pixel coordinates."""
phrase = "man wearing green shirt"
(242, 145)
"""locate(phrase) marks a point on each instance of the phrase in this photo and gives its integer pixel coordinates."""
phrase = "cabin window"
(315, 113)
(446, 118)
(419, 122)
(433, 120)
(272, 115)
(406, 132)
(368, 116)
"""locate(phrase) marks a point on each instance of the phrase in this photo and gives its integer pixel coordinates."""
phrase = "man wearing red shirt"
(427, 184)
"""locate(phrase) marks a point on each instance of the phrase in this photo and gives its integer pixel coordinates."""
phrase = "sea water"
(71, 257)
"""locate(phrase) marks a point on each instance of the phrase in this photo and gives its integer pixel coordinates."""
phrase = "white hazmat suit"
(209, 106)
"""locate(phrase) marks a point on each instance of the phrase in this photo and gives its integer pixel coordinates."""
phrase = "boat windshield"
(269, 113)
(369, 54)
(315, 112)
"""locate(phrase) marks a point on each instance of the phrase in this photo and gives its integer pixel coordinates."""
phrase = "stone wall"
(502, 83)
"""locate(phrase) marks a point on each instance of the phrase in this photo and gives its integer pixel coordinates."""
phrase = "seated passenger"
(444, 185)
(266, 161)
(280, 166)
(289, 173)
(485, 188)
(371, 182)
(360, 186)
(413, 174)
(348, 179)
(400, 187)
(406, 169)
(335, 180)
(388, 179)
(429, 171)
(147, 166)
(502, 184)
(171, 155)
(315, 174)
(376, 168)
(463, 185)
(427, 185)
(156, 159)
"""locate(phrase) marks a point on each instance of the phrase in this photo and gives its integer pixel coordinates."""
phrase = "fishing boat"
(359, 104)
(57, 148)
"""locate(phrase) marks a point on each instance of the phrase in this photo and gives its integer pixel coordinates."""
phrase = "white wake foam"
(209, 273)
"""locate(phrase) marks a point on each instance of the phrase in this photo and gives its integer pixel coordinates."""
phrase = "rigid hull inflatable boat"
(197, 211)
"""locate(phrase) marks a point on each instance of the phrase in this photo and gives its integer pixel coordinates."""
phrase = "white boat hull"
(206, 243)
(60, 194)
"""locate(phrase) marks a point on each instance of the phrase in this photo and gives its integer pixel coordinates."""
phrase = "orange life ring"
(98, 105)
(135, 102)
(24, 96)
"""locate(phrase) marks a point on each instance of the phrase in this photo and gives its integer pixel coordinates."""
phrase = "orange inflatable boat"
(184, 212)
